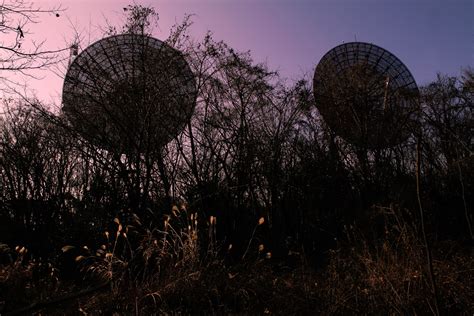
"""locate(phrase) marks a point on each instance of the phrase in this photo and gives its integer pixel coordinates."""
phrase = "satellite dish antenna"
(129, 93)
(366, 95)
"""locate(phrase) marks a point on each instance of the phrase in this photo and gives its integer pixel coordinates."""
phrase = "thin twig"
(425, 240)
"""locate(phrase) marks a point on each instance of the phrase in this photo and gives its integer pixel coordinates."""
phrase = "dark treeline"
(256, 147)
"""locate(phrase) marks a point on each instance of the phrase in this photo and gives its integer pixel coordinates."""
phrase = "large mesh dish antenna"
(129, 93)
(366, 95)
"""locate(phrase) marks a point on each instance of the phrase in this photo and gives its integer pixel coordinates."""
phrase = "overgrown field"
(141, 270)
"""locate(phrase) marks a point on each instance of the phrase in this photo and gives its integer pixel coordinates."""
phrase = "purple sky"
(428, 36)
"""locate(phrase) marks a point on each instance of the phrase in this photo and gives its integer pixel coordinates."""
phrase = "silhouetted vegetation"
(256, 207)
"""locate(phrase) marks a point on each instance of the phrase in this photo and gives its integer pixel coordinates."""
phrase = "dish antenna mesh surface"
(366, 95)
(129, 93)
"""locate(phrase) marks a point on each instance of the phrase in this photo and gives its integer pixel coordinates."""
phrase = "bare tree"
(19, 51)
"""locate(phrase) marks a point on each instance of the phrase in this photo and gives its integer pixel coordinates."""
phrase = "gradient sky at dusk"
(429, 36)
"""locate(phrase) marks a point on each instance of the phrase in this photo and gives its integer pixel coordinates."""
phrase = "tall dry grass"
(164, 270)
